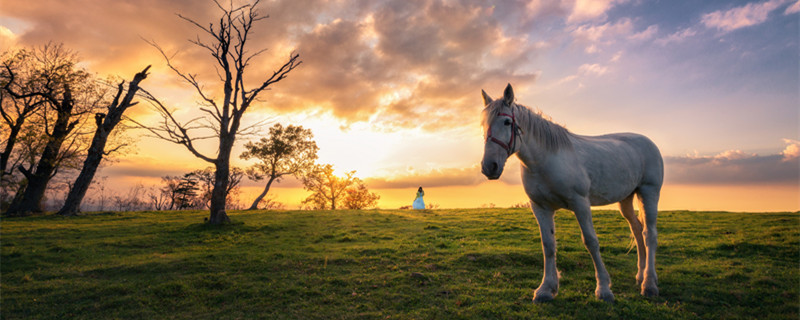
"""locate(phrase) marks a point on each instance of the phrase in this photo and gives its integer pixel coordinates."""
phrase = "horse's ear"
(508, 95)
(486, 98)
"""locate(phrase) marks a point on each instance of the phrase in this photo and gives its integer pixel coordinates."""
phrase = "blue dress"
(418, 202)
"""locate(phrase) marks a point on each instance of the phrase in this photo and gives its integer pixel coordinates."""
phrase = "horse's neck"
(533, 152)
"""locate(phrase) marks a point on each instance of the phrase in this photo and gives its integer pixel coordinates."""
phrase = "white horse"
(565, 170)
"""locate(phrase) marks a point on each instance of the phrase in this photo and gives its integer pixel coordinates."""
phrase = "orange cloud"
(106, 34)
(354, 55)
(792, 150)
(429, 51)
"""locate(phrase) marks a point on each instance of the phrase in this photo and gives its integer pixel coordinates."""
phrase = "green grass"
(441, 264)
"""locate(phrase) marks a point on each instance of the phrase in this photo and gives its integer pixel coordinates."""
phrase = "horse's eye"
(507, 122)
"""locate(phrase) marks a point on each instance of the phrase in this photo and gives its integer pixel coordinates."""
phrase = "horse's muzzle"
(491, 169)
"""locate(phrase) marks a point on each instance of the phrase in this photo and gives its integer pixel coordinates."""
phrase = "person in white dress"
(418, 202)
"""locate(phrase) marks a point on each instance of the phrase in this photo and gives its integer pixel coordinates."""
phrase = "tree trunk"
(31, 201)
(254, 206)
(72, 206)
(12, 139)
(221, 177)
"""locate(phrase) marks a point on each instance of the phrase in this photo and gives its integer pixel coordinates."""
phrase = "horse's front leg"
(549, 287)
(583, 213)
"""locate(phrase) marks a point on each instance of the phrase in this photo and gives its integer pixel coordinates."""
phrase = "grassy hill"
(395, 264)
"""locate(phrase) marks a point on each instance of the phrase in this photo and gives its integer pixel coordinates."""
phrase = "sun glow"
(348, 147)
(375, 151)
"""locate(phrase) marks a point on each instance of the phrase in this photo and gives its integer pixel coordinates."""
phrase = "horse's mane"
(551, 136)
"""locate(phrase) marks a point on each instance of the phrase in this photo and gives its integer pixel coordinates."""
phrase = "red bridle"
(509, 147)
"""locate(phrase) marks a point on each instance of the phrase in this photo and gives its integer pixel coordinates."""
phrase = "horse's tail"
(632, 243)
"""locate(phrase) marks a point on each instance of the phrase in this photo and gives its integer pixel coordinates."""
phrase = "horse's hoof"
(542, 297)
(650, 291)
(604, 295)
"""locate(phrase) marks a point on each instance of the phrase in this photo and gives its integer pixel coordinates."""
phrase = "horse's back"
(634, 144)
(653, 163)
(617, 164)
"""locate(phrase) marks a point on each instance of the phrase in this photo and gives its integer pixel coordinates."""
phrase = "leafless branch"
(190, 78)
(278, 75)
(170, 129)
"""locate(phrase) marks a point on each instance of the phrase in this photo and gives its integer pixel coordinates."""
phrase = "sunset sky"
(391, 89)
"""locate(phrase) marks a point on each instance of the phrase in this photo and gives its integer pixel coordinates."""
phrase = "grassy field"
(388, 264)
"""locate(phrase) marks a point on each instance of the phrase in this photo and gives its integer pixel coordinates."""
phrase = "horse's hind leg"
(648, 202)
(626, 208)
(583, 213)
(549, 287)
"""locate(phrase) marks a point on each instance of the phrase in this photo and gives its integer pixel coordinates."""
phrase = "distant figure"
(418, 202)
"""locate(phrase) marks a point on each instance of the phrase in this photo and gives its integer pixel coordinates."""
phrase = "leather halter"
(509, 147)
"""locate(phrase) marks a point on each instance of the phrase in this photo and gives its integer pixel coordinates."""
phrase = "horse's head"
(501, 132)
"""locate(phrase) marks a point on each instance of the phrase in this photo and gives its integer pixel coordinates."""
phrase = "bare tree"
(105, 124)
(227, 43)
(287, 151)
(131, 200)
(99, 190)
(158, 199)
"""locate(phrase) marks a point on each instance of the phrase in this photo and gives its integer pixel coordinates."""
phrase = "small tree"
(169, 191)
(180, 192)
(328, 190)
(358, 197)
(186, 192)
(287, 151)
(158, 199)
